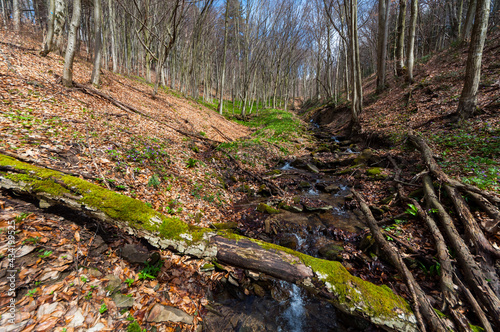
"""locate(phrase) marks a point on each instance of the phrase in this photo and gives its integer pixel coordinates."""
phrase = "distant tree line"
(264, 53)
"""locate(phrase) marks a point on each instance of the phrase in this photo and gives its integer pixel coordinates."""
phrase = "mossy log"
(376, 304)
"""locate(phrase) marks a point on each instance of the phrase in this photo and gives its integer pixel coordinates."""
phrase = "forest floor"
(70, 264)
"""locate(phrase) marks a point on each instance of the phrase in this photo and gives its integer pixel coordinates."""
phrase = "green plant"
(32, 292)
(150, 271)
(135, 327)
(103, 309)
(21, 217)
(154, 181)
(88, 296)
(191, 163)
(412, 210)
(33, 240)
(129, 281)
(84, 279)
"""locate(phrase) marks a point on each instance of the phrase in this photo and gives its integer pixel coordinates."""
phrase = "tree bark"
(71, 48)
(383, 31)
(96, 71)
(401, 38)
(114, 53)
(469, 20)
(16, 15)
(349, 294)
(468, 99)
(47, 45)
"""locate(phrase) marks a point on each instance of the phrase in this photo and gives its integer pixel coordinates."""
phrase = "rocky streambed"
(315, 218)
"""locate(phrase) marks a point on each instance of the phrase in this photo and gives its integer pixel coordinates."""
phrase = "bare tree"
(411, 40)
(16, 15)
(400, 38)
(96, 72)
(224, 56)
(383, 31)
(468, 99)
(71, 48)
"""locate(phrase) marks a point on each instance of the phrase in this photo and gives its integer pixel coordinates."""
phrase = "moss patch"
(264, 208)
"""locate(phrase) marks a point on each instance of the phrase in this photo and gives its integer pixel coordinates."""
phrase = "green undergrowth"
(473, 152)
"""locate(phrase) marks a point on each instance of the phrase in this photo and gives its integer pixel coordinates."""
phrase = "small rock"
(97, 327)
(264, 208)
(43, 204)
(78, 319)
(94, 273)
(259, 291)
(331, 252)
(319, 208)
(160, 313)
(332, 188)
(123, 301)
(304, 184)
(363, 157)
(289, 241)
(113, 284)
(135, 253)
(46, 309)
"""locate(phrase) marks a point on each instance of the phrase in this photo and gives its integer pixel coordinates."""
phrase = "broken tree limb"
(421, 302)
(492, 211)
(353, 296)
(470, 268)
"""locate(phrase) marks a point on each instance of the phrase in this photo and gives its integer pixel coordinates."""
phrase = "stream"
(317, 223)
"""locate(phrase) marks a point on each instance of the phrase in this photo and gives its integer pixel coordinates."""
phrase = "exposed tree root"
(421, 304)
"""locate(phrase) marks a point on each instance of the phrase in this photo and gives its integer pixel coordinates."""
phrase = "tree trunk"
(71, 48)
(351, 295)
(59, 20)
(468, 99)
(401, 38)
(383, 31)
(96, 72)
(411, 40)
(469, 20)
(16, 15)
(47, 45)
(223, 73)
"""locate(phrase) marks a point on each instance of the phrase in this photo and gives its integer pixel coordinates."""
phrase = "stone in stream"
(289, 241)
(264, 208)
(363, 157)
(312, 168)
(331, 252)
(333, 188)
(304, 185)
(293, 208)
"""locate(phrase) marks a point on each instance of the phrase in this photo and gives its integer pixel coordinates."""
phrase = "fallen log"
(353, 296)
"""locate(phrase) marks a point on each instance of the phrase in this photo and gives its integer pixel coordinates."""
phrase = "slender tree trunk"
(223, 74)
(71, 48)
(16, 15)
(383, 31)
(4, 14)
(469, 20)
(96, 72)
(59, 20)
(112, 30)
(47, 45)
(468, 100)
(411, 40)
(401, 38)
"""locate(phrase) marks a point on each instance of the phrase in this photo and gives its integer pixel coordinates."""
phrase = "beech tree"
(96, 72)
(383, 31)
(67, 78)
(468, 99)
(400, 38)
(411, 40)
